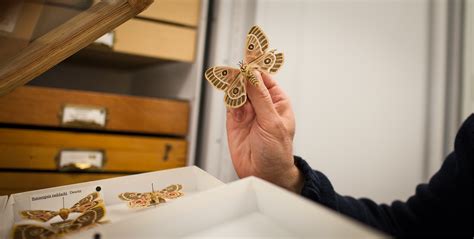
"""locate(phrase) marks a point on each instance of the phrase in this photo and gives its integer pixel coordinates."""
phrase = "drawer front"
(151, 39)
(26, 181)
(43, 106)
(41, 150)
(177, 11)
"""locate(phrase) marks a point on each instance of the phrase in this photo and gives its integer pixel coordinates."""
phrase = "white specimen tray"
(192, 178)
(250, 208)
(3, 204)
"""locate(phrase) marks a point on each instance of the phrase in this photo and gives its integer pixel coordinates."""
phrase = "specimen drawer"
(157, 40)
(62, 151)
(177, 11)
(44, 106)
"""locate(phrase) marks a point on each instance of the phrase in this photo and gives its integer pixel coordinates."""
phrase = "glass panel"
(24, 21)
(35, 35)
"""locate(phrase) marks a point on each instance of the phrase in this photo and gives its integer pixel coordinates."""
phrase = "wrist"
(296, 180)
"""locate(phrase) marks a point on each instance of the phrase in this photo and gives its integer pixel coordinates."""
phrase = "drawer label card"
(84, 116)
(57, 199)
(81, 159)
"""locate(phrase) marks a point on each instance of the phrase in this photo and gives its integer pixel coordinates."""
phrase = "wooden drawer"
(40, 149)
(42, 106)
(177, 11)
(157, 40)
(24, 181)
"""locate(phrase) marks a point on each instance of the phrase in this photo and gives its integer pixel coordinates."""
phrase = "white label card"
(81, 159)
(74, 114)
(53, 200)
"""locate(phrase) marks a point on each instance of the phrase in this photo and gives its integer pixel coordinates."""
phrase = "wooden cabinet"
(140, 133)
(153, 39)
(43, 106)
(39, 152)
(165, 31)
(184, 12)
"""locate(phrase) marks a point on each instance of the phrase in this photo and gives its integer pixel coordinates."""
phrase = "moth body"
(247, 71)
(64, 213)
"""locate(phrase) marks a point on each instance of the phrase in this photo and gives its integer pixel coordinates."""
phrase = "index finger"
(277, 94)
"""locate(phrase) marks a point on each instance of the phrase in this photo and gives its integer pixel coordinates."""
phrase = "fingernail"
(238, 114)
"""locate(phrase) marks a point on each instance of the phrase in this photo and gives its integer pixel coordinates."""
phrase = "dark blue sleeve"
(441, 208)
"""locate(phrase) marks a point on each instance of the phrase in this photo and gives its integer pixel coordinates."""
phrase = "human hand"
(260, 135)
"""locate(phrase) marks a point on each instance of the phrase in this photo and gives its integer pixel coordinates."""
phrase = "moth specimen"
(88, 218)
(256, 57)
(143, 200)
(83, 205)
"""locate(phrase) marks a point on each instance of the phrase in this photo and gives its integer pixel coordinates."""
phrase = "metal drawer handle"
(168, 148)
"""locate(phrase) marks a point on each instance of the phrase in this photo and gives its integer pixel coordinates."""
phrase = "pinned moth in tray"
(89, 218)
(148, 199)
(83, 205)
(257, 57)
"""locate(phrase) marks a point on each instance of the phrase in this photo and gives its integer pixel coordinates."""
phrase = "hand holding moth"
(260, 135)
(256, 57)
(260, 132)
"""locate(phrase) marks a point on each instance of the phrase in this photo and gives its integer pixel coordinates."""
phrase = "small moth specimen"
(143, 200)
(83, 205)
(88, 218)
(232, 80)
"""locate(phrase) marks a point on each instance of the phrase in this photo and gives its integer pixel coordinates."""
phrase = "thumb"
(261, 99)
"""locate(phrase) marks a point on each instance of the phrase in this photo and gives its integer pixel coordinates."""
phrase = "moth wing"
(172, 188)
(256, 44)
(172, 191)
(128, 196)
(140, 203)
(270, 62)
(29, 231)
(87, 202)
(236, 95)
(137, 200)
(89, 218)
(39, 215)
(221, 76)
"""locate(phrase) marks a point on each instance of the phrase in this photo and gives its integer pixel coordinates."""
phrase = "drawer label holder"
(83, 116)
(81, 160)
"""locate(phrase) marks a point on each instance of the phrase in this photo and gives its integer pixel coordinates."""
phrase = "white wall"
(357, 75)
(468, 83)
